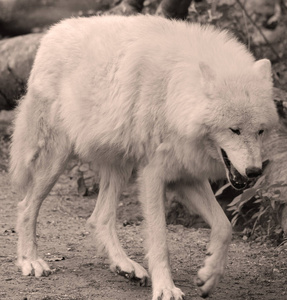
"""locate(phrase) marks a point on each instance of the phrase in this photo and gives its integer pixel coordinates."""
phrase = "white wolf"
(183, 104)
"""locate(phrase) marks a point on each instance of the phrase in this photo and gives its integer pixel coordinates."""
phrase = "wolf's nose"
(253, 172)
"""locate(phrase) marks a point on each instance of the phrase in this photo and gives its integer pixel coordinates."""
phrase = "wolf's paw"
(37, 267)
(173, 293)
(130, 270)
(209, 276)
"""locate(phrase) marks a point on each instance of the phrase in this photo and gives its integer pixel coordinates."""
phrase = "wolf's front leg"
(199, 198)
(152, 197)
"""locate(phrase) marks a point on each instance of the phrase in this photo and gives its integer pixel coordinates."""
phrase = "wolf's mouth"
(238, 181)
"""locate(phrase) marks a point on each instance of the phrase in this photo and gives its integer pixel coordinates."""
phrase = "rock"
(15, 67)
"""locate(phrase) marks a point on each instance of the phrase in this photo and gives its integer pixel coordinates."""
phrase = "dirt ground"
(254, 271)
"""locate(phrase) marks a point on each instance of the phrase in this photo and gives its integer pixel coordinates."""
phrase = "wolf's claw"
(37, 267)
(169, 294)
(132, 277)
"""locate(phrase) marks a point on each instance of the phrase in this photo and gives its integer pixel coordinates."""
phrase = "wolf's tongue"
(237, 180)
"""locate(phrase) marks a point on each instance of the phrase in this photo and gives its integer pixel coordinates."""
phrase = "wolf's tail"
(25, 146)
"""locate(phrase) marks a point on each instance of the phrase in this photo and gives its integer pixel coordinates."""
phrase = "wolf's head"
(241, 113)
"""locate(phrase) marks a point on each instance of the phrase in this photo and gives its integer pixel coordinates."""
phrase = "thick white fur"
(147, 93)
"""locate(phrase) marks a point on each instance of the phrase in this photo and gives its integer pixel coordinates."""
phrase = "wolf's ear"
(263, 68)
(207, 73)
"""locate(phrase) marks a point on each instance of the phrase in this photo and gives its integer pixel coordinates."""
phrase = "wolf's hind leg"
(199, 198)
(45, 172)
(103, 223)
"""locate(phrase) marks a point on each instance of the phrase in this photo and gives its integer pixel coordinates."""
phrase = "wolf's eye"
(260, 132)
(236, 131)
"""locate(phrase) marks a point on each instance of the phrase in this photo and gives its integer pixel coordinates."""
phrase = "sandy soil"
(254, 271)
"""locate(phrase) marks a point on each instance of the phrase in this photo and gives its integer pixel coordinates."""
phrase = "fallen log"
(26, 16)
